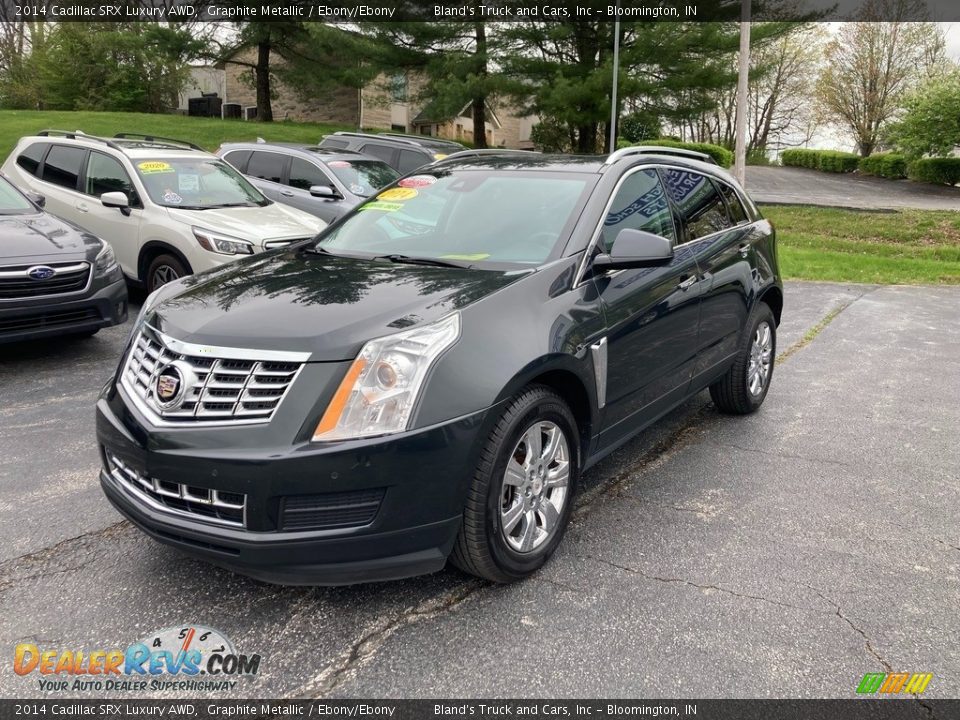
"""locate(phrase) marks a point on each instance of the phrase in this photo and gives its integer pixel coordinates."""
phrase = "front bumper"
(42, 317)
(423, 476)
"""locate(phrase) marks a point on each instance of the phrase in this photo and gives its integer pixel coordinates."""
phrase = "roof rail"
(77, 135)
(486, 152)
(372, 135)
(658, 150)
(157, 139)
(422, 138)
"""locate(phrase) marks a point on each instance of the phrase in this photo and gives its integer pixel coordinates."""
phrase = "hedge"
(722, 156)
(942, 171)
(825, 160)
(885, 165)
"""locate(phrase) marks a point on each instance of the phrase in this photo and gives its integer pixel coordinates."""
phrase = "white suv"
(167, 207)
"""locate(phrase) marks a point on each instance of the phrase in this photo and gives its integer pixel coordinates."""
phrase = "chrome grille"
(218, 506)
(274, 244)
(68, 277)
(217, 389)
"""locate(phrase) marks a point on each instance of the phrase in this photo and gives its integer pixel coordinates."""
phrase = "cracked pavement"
(783, 554)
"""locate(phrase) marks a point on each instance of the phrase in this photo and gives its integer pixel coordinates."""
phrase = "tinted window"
(238, 158)
(640, 204)
(737, 212)
(410, 160)
(700, 204)
(106, 174)
(30, 158)
(266, 166)
(304, 175)
(334, 143)
(384, 152)
(62, 166)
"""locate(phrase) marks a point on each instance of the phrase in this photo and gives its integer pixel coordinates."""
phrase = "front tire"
(164, 269)
(742, 390)
(522, 492)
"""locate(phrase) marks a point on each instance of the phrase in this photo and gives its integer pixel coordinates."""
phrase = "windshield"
(12, 202)
(197, 184)
(363, 177)
(472, 216)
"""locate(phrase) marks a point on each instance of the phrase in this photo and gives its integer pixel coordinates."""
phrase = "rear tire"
(522, 491)
(742, 390)
(163, 269)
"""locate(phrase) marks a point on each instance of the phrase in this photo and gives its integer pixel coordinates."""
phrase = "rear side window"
(30, 158)
(701, 205)
(304, 175)
(62, 166)
(266, 166)
(738, 213)
(410, 160)
(384, 152)
(238, 158)
(640, 204)
(331, 143)
(106, 174)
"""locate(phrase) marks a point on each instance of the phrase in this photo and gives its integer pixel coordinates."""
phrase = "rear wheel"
(164, 269)
(521, 494)
(744, 387)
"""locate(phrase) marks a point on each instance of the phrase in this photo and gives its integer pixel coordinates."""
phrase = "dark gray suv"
(323, 182)
(404, 153)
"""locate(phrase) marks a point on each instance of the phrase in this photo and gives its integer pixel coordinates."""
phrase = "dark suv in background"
(404, 153)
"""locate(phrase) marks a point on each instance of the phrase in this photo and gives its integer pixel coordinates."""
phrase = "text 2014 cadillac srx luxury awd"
(428, 378)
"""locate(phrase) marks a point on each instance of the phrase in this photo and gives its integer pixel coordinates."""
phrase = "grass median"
(912, 247)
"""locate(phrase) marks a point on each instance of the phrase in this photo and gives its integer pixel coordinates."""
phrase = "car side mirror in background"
(636, 248)
(117, 200)
(322, 191)
(37, 199)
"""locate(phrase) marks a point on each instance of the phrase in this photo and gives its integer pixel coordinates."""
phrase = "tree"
(872, 63)
(931, 120)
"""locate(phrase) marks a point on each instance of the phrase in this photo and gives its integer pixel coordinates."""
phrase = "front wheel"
(520, 498)
(745, 385)
(164, 269)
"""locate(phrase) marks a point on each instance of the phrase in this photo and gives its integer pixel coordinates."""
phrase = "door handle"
(286, 193)
(82, 207)
(744, 249)
(687, 283)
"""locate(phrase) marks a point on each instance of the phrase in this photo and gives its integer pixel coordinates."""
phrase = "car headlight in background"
(106, 262)
(223, 244)
(380, 390)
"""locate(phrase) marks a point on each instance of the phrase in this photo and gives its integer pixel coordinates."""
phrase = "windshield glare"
(12, 202)
(472, 216)
(363, 177)
(197, 184)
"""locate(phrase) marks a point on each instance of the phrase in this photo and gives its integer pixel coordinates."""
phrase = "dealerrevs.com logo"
(192, 658)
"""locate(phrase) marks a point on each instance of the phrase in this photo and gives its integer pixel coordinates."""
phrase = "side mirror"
(37, 199)
(323, 191)
(634, 249)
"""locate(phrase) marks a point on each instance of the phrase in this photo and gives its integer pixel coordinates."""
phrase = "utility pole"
(740, 143)
(616, 74)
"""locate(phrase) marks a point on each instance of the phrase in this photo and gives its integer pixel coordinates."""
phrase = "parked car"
(323, 182)
(167, 207)
(365, 405)
(404, 153)
(55, 279)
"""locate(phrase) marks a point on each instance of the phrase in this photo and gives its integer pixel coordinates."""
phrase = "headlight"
(105, 263)
(223, 244)
(381, 388)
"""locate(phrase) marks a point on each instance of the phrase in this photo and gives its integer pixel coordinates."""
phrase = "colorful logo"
(184, 652)
(894, 683)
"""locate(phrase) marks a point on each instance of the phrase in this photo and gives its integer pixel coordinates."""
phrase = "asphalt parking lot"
(783, 554)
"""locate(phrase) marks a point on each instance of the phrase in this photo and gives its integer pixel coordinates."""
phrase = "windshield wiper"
(396, 258)
(239, 204)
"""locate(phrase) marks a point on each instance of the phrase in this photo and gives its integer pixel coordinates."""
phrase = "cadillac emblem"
(169, 387)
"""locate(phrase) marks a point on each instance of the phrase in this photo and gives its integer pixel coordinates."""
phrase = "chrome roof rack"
(78, 135)
(159, 140)
(486, 152)
(347, 133)
(658, 150)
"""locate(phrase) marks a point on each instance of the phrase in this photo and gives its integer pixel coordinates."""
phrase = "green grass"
(911, 247)
(208, 133)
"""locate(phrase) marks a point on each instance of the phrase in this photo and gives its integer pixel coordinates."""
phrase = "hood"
(42, 235)
(271, 222)
(327, 306)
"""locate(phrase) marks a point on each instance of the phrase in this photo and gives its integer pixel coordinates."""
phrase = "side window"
(640, 204)
(304, 175)
(106, 174)
(738, 213)
(30, 158)
(62, 166)
(266, 166)
(410, 160)
(700, 203)
(238, 158)
(331, 143)
(384, 152)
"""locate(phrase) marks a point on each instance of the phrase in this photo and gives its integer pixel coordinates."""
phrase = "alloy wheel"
(761, 359)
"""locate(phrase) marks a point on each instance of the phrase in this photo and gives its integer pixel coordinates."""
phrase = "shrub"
(722, 156)
(824, 160)
(758, 157)
(942, 171)
(886, 165)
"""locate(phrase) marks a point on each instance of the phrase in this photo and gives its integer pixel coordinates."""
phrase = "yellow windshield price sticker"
(155, 166)
(397, 194)
(384, 206)
(474, 256)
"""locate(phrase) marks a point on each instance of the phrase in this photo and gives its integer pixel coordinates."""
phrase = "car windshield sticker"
(188, 183)
(397, 194)
(358, 189)
(152, 167)
(169, 196)
(339, 164)
(474, 256)
(417, 181)
(385, 206)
